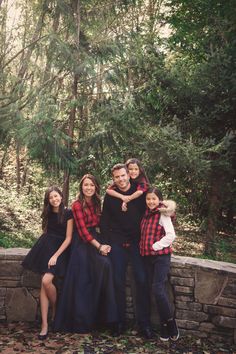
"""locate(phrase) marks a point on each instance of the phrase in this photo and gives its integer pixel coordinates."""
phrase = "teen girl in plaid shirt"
(157, 235)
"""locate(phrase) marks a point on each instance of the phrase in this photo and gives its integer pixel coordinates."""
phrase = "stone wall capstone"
(202, 292)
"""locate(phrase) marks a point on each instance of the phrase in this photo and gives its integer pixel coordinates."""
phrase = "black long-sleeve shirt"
(119, 226)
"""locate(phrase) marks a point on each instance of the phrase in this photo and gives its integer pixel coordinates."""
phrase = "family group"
(90, 246)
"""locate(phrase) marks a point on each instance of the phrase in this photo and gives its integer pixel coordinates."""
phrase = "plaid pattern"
(151, 232)
(85, 218)
(142, 186)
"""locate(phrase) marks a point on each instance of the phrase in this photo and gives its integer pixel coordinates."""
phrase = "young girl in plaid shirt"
(157, 235)
(137, 175)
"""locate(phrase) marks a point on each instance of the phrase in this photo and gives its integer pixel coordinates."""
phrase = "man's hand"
(124, 206)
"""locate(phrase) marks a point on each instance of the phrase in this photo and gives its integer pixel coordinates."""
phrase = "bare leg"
(48, 294)
(44, 305)
(50, 290)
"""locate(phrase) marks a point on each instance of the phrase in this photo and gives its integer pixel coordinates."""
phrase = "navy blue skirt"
(87, 298)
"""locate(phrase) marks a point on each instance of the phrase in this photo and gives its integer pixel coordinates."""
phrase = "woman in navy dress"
(88, 297)
(48, 256)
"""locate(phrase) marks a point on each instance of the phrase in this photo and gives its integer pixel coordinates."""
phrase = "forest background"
(85, 84)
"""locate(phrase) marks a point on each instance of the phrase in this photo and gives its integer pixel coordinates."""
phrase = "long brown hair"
(47, 208)
(142, 174)
(96, 199)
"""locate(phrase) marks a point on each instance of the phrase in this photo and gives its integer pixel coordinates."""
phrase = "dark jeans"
(120, 257)
(157, 268)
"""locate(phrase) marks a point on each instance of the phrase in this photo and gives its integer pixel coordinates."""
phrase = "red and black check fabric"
(151, 232)
(85, 218)
(142, 186)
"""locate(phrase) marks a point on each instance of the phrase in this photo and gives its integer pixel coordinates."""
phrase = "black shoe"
(42, 336)
(173, 330)
(164, 335)
(147, 333)
(118, 329)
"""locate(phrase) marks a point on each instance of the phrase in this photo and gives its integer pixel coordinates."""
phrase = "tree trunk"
(18, 167)
(72, 115)
(55, 25)
(2, 164)
(25, 173)
(214, 207)
(26, 55)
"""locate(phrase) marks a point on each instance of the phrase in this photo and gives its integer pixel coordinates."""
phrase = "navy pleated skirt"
(88, 297)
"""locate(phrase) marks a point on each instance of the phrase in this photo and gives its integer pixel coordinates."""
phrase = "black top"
(122, 226)
(54, 227)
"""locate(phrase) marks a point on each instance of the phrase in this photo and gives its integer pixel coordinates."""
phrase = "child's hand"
(156, 246)
(126, 198)
(52, 261)
(124, 206)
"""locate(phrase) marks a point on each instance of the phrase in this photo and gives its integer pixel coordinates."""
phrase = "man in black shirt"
(121, 230)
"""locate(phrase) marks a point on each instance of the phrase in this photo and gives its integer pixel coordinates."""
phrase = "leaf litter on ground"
(22, 338)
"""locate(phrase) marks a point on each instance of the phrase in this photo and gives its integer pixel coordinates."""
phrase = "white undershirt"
(166, 223)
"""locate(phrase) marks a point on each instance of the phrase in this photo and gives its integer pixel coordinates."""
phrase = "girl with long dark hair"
(48, 256)
(157, 236)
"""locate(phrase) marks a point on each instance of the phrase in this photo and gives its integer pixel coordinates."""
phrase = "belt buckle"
(126, 245)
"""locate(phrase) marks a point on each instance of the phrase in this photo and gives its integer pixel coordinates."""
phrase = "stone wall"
(203, 294)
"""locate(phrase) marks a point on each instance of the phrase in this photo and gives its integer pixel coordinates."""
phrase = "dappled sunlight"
(189, 241)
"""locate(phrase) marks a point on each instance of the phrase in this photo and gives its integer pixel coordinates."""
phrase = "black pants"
(157, 268)
(120, 256)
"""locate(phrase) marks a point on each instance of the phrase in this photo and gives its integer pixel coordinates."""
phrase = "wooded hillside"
(85, 84)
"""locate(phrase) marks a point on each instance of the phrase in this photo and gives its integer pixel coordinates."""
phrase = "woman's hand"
(52, 261)
(105, 249)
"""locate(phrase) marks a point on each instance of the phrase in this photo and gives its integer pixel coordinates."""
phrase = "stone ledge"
(207, 264)
(202, 292)
(13, 253)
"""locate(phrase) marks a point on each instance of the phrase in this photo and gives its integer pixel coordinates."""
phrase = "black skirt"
(88, 296)
(44, 248)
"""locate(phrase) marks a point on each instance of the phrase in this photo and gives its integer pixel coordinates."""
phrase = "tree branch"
(22, 50)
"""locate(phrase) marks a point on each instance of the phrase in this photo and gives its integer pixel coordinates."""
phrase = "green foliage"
(108, 81)
(16, 239)
(46, 141)
(19, 222)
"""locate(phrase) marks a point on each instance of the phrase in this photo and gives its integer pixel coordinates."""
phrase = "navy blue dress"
(88, 297)
(47, 244)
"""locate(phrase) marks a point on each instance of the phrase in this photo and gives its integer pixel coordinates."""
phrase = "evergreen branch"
(22, 50)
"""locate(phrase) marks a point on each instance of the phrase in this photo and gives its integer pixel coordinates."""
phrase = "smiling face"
(152, 201)
(121, 179)
(88, 188)
(55, 200)
(134, 170)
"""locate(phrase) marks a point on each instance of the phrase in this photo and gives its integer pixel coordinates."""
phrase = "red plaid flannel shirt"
(85, 218)
(151, 232)
(142, 186)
